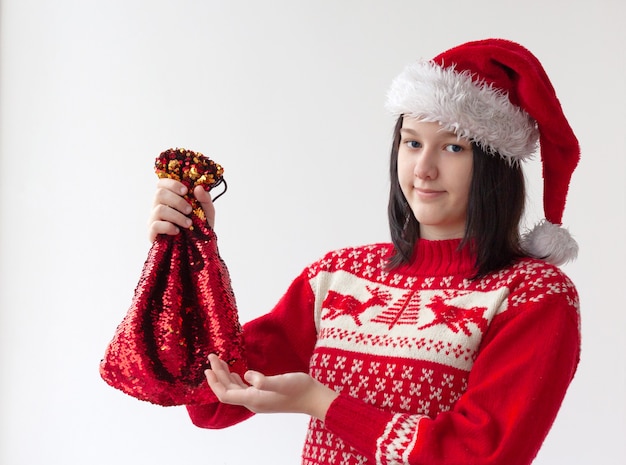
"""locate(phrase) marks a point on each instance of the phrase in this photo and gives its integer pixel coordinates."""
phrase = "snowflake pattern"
(389, 385)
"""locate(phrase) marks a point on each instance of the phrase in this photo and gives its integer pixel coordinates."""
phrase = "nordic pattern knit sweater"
(432, 367)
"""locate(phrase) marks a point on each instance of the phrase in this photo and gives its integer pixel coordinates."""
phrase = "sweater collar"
(441, 258)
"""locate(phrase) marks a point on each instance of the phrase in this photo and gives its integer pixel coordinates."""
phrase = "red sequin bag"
(183, 307)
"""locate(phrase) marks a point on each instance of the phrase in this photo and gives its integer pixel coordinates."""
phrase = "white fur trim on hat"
(550, 242)
(471, 109)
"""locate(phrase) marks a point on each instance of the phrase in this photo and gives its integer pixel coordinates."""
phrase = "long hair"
(495, 207)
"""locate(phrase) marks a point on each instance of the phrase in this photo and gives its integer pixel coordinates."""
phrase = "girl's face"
(435, 172)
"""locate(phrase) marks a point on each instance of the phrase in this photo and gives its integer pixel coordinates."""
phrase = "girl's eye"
(454, 148)
(413, 144)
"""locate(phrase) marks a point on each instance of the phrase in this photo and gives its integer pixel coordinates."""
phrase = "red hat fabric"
(496, 93)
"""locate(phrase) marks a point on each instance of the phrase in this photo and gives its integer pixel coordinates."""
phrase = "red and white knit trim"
(398, 440)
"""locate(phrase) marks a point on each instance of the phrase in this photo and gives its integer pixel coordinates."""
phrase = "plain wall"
(288, 96)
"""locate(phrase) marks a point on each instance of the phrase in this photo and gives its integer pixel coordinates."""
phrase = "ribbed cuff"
(356, 423)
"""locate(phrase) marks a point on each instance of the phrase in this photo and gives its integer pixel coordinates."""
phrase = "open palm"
(287, 393)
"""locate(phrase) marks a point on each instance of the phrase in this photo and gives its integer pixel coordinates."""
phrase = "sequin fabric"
(183, 307)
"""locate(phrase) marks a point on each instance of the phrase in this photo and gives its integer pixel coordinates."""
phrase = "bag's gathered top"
(192, 169)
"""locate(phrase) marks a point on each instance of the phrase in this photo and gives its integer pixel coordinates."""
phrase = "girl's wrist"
(320, 400)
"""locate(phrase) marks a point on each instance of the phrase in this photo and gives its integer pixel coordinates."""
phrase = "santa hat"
(496, 93)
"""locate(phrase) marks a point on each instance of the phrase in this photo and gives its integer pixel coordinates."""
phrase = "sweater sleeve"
(281, 341)
(515, 388)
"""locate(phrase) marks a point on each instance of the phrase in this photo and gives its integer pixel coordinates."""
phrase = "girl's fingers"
(162, 227)
(206, 203)
(258, 380)
(172, 199)
(170, 209)
(172, 185)
(166, 213)
(166, 220)
(223, 375)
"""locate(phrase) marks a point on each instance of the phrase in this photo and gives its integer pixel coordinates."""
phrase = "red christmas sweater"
(432, 367)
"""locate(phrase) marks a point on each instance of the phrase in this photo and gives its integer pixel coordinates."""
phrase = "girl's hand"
(170, 210)
(288, 393)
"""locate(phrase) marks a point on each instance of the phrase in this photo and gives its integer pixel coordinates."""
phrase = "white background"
(288, 97)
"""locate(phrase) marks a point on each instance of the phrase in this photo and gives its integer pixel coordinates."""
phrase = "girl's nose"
(426, 164)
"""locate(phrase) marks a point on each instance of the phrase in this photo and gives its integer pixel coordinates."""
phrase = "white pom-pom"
(551, 243)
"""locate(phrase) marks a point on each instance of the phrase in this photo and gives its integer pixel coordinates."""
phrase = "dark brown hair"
(495, 207)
